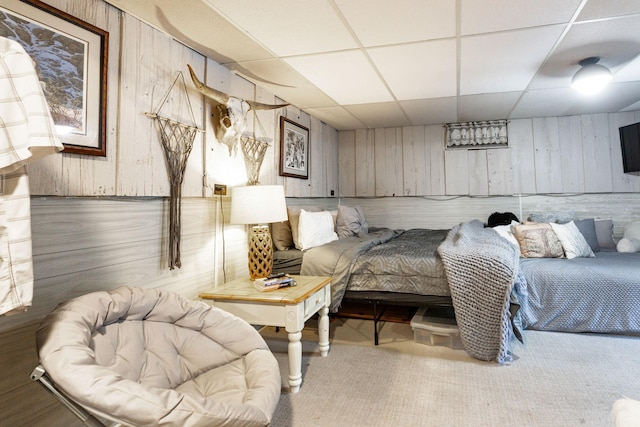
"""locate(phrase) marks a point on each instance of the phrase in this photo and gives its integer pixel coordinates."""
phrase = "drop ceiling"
(371, 64)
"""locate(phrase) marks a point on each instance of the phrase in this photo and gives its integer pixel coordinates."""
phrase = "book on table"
(267, 284)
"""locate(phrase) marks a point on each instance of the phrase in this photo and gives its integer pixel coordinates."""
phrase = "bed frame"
(385, 299)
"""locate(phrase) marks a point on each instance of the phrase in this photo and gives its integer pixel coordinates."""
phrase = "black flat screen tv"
(630, 143)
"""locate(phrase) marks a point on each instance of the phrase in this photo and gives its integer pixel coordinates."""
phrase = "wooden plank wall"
(553, 155)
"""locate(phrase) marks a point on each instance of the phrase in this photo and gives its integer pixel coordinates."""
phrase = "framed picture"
(294, 149)
(71, 62)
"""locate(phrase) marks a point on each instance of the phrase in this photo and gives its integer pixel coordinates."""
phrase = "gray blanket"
(336, 259)
(481, 269)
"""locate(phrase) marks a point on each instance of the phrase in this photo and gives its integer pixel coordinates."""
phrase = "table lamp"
(257, 206)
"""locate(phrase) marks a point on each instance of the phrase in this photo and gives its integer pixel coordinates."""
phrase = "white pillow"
(631, 238)
(315, 229)
(505, 232)
(629, 245)
(572, 240)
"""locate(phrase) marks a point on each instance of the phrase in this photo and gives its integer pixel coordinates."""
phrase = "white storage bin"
(432, 328)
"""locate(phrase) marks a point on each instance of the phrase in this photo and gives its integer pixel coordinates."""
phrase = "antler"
(223, 98)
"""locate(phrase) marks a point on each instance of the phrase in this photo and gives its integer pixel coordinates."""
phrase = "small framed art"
(294, 149)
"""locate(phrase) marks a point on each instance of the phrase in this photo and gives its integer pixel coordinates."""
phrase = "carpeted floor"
(557, 379)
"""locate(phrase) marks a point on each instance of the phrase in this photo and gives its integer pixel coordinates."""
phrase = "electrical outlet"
(219, 189)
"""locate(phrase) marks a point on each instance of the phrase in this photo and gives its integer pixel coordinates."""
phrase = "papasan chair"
(147, 357)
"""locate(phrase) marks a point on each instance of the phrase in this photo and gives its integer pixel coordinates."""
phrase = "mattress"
(600, 294)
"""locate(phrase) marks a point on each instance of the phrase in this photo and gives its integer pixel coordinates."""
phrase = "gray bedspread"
(408, 263)
(600, 294)
(337, 258)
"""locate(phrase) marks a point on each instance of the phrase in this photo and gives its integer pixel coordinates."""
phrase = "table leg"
(295, 361)
(323, 331)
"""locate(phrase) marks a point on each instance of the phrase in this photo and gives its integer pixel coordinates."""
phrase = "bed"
(390, 267)
(597, 293)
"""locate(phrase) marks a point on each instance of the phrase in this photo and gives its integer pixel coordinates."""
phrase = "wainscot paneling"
(83, 244)
(443, 212)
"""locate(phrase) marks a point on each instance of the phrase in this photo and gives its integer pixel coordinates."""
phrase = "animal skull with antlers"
(232, 112)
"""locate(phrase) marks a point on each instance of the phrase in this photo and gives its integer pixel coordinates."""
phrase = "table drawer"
(314, 302)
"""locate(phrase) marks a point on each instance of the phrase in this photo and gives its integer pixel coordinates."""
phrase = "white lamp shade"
(591, 78)
(258, 204)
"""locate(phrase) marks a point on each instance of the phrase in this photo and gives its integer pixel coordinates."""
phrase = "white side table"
(288, 307)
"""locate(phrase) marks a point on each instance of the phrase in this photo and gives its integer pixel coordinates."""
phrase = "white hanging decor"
(488, 133)
(177, 141)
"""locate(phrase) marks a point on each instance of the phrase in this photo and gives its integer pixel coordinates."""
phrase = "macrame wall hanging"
(254, 149)
(177, 141)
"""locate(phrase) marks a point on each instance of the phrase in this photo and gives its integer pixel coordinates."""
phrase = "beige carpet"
(557, 379)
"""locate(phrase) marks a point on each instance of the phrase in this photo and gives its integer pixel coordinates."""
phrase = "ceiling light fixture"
(592, 77)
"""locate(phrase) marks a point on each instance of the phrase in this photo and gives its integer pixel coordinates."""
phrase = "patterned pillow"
(537, 240)
(572, 240)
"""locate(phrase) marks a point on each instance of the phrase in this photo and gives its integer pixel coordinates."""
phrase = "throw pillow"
(630, 241)
(505, 232)
(350, 221)
(588, 229)
(604, 233)
(561, 217)
(537, 240)
(294, 215)
(315, 229)
(281, 235)
(572, 240)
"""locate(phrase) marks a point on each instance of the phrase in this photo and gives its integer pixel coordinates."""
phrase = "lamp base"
(260, 252)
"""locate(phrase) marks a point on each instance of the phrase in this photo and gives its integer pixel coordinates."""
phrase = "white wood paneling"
(522, 156)
(550, 155)
(365, 161)
(434, 137)
(331, 160)
(572, 162)
(500, 174)
(456, 165)
(416, 168)
(546, 144)
(347, 164)
(478, 173)
(597, 153)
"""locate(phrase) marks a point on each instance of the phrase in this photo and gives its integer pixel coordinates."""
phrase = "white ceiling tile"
(419, 70)
(504, 62)
(289, 27)
(431, 111)
(544, 103)
(628, 72)
(595, 9)
(347, 77)
(337, 117)
(484, 16)
(487, 106)
(383, 22)
(379, 115)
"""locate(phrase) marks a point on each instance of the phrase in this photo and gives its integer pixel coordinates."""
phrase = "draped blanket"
(481, 269)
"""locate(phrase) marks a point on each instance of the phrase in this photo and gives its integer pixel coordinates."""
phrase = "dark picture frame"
(294, 149)
(71, 61)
